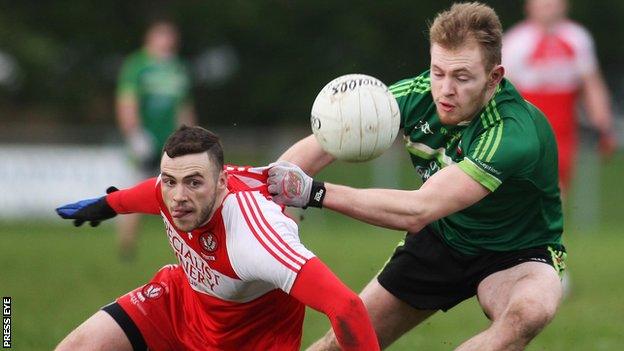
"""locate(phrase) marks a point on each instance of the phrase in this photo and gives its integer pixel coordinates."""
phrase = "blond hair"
(454, 27)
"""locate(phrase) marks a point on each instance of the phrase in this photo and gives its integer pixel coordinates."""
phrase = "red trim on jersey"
(317, 287)
(258, 236)
(245, 172)
(137, 199)
(238, 176)
(279, 238)
(286, 250)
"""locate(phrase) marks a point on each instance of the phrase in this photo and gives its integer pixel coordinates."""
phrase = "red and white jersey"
(248, 248)
(553, 62)
(240, 266)
(547, 67)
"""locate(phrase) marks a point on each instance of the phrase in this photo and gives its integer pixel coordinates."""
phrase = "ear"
(222, 180)
(496, 76)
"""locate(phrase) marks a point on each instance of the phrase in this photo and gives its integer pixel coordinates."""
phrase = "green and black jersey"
(509, 148)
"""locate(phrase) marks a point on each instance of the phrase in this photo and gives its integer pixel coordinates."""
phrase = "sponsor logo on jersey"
(426, 172)
(208, 242)
(200, 276)
(488, 167)
(424, 127)
(153, 291)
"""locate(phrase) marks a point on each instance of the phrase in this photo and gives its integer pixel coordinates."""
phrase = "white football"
(355, 118)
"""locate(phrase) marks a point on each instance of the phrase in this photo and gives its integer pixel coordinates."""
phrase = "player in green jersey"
(487, 220)
(153, 99)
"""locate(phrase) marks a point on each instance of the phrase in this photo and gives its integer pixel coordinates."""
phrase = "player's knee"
(528, 316)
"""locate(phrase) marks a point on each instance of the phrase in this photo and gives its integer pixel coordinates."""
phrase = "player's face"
(162, 40)
(191, 186)
(460, 84)
(546, 12)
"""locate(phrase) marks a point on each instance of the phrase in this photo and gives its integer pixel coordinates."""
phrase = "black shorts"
(426, 273)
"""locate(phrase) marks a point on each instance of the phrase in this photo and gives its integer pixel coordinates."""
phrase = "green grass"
(59, 275)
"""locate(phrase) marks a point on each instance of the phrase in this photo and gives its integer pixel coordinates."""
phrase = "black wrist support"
(317, 195)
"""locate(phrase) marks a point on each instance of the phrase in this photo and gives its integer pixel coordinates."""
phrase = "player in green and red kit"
(153, 99)
(487, 220)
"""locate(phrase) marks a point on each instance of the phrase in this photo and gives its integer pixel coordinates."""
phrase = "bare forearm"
(389, 208)
(448, 191)
(127, 116)
(597, 101)
(308, 155)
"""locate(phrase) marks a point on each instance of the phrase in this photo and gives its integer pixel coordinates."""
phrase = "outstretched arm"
(141, 198)
(138, 199)
(317, 287)
(308, 154)
(447, 191)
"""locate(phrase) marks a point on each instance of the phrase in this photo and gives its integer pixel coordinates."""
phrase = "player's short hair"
(158, 19)
(452, 28)
(193, 140)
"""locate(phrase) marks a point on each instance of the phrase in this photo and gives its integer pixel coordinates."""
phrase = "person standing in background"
(552, 62)
(153, 99)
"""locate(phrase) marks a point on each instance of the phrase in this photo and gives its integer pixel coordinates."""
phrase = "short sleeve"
(503, 150)
(187, 96)
(586, 60)
(518, 43)
(268, 247)
(128, 80)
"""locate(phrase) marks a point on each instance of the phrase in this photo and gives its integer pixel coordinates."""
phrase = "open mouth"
(445, 106)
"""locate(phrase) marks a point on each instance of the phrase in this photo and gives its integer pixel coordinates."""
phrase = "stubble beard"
(205, 213)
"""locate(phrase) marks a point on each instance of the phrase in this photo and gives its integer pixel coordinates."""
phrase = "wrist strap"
(317, 194)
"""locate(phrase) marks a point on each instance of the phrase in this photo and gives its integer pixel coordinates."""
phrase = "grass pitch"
(58, 275)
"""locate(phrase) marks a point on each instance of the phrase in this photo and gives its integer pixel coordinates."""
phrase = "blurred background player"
(552, 62)
(153, 99)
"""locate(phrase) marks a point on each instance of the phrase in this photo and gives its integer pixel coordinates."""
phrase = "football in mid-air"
(355, 118)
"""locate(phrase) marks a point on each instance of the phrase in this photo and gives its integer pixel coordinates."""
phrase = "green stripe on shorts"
(558, 258)
(401, 243)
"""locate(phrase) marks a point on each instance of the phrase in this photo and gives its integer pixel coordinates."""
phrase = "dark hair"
(464, 21)
(193, 140)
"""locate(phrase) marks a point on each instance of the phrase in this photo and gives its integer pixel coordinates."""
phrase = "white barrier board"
(34, 180)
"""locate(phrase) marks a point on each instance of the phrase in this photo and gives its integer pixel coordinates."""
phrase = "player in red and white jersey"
(552, 62)
(243, 277)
